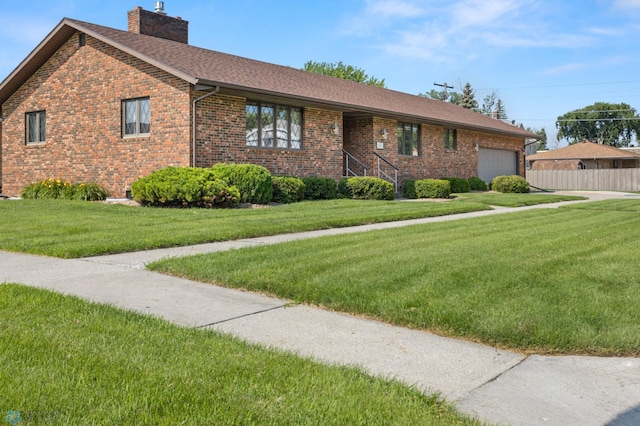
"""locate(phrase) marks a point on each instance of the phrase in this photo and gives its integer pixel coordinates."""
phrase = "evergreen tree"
(468, 98)
(501, 112)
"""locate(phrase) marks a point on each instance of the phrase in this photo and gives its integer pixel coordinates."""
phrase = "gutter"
(508, 130)
(193, 130)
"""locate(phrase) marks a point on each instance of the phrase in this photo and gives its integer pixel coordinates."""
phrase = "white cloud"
(469, 13)
(565, 68)
(626, 4)
(393, 8)
(607, 32)
(443, 31)
(596, 63)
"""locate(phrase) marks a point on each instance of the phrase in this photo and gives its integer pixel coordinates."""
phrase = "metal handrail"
(348, 170)
(385, 175)
(385, 160)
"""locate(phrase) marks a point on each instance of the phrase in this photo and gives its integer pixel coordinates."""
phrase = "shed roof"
(584, 150)
(242, 75)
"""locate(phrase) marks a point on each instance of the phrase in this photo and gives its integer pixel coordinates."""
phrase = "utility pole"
(445, 86)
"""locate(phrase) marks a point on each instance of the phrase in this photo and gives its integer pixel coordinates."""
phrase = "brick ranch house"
(584, 155)
(97, 104)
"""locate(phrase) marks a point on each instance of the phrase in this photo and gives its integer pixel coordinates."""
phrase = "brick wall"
(221, 137)
(362, 135)
(81, 89)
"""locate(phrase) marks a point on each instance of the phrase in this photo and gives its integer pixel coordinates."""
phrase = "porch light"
(476, 147)
(335, 129)
(383, 134)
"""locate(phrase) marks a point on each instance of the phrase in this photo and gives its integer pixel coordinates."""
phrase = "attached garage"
(496, 162)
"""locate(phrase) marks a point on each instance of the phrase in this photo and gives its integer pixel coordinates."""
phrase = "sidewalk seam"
(493, 379)
(242, 316)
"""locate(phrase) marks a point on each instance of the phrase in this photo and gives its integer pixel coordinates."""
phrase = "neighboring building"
(92, 103)
(635, 149)
(584, 155)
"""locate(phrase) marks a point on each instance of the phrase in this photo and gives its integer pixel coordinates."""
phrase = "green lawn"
(513, 200)
(67, 361)
(554, 281)
(78, 229)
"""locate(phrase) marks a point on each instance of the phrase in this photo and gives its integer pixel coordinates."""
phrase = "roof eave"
(378, 112)
(586, 158)
(34, 60)
(53, 41)
(175, 72)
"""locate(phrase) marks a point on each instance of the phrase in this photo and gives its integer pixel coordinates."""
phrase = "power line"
(523, 120)
(599, 119)
(563, 85)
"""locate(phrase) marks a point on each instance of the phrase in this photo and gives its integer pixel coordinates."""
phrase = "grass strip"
(70, 229)
(553, 281)
(514, 200)
(618, 205)
(67, 361)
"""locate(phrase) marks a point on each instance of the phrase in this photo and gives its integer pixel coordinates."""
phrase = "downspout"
(193, 130)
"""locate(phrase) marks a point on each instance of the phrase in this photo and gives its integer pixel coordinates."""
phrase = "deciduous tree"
(344, 71)
(604, 123)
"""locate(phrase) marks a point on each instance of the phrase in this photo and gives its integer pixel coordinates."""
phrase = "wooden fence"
(588, 179)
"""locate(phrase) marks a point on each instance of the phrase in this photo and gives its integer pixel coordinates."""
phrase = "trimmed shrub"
(433, 188)
(366, 188)
(477, 184)
(253, 181)
(319, 188)
(184, 187)
(287, 189)
(458, 185)
(59, 189)
(510, 184)
(409, 189)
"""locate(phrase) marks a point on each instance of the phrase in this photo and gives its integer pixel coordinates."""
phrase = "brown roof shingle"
(197, 65)
(582, 151)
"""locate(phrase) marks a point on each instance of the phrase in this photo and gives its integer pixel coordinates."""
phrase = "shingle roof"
(197, 65)
(582, 151)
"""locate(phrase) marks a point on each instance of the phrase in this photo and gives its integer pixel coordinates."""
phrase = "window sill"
(266, 148)
(142, 136)
(36, 144)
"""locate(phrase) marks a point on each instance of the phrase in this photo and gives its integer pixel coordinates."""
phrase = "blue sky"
(543, 57)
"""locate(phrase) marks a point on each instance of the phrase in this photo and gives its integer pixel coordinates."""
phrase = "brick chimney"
(158, 24)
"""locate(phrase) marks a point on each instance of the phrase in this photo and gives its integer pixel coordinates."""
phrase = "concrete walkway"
(494, 385)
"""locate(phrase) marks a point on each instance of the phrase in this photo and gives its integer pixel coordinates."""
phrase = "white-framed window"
(273, 126)
(408, 139)
(450, 139)
(36, 127)
(136, 117)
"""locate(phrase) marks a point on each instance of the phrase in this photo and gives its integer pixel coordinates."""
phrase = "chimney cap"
(159, 6)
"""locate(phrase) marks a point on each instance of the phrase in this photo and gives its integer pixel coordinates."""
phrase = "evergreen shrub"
(319, 188)
(433, 188)
(458, 185)
(409, 189)
(254, 182)
(366, 188)
(510, 184)
(287, 189)
(184, 187)
(477, 184)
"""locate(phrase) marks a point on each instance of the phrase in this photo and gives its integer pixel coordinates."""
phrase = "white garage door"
(495, 162)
